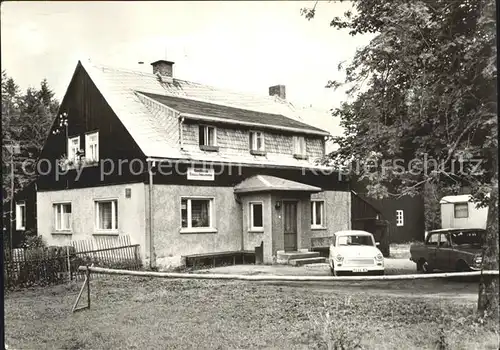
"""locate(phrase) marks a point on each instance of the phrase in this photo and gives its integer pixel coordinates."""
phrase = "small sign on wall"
(201, 174)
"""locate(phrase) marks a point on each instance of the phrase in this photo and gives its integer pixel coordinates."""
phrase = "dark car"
(449, 250)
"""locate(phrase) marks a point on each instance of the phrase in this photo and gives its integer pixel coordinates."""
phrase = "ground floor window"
(62, 216)
(256, 216)
(317, 214)
(196, 212)
(21, 216)
(106, 215)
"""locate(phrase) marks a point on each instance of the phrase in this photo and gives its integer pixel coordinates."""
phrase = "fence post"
(88, 284)
(69, 264)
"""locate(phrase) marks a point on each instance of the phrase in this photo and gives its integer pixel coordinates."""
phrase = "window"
(400, 220)
(256, 217)
(196, 213)
(62, 216)
(435, 237)
(207, 136)
(299, 145)
(317, 213)
(257, 141)
(92, 146)
(106, 215)
(20, 216)
(461, 210)
(73, 148)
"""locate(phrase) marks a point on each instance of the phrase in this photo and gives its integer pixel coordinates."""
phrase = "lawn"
(144, 313)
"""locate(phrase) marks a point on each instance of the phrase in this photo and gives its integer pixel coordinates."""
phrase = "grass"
(144, 313)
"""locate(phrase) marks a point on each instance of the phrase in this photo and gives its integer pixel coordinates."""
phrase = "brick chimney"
(163, 68)
(278, 90)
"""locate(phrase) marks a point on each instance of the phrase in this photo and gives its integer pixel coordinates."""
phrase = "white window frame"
(251, 213)
(211, 215)
(20, 208)
(114, 215)
(88, 145)
(299, 145)
(466, 204)
(61, 220)
(205, 135)
(254, 135)
(314, 208)
(400, 217)
(71, 154)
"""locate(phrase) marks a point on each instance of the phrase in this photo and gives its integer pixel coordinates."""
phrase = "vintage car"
(355, 252)
(450, 249)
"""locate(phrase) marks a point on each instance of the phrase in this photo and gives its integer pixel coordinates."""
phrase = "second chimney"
(278, 90)
(163, 68)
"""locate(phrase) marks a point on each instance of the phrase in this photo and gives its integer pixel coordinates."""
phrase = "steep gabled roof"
(151, 131)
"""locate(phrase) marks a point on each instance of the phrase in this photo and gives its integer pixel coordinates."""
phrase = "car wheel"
(462, 266)
(426, 268)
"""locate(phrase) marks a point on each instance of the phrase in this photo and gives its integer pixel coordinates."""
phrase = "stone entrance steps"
(299, 258)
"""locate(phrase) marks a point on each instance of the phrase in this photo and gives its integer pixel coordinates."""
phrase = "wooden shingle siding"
(234, 141)
(167, 118)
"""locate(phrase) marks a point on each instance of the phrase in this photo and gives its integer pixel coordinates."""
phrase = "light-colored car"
(355, 252)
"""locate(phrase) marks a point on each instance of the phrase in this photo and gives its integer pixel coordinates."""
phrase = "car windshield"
(355, 240)
(467, 237)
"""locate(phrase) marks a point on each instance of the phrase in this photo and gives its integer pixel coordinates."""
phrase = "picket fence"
(55, 265)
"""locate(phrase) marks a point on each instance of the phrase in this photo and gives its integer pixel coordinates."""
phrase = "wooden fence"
(54, 265)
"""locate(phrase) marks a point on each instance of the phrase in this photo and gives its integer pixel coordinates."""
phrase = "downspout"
(238, 200)
(152, 254)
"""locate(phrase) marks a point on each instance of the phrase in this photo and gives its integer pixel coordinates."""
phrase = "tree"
(422, 108)
(26, 121)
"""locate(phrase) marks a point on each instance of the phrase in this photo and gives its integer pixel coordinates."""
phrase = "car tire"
(462, 266)
(426, 268)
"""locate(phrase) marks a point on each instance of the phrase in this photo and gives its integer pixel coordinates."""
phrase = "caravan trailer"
(460, 212)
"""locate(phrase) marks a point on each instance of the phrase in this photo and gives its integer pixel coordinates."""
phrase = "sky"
(243, 46)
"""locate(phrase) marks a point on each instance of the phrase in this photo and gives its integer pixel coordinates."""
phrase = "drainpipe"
(152, 254)
(238, 200)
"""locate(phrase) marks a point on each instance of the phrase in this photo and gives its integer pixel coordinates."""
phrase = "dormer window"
(92, 147)
(73, 148)
(257, 144)
(208, 138)
(299, 147)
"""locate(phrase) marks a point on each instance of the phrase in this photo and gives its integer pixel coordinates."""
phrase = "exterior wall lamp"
(277, 205)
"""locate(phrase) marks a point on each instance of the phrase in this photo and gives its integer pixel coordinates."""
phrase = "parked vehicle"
(355, 252)
(450, 249)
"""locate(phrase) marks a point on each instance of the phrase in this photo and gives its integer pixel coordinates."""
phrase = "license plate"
(359, 270)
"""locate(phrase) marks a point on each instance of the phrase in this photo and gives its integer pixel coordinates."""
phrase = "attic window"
(92, 146)
(257, 143)
(73, 148)
(208, 138)
(299, 147)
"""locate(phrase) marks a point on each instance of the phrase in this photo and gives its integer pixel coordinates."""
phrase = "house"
(24, 215)
(460, 212)
(184, 168)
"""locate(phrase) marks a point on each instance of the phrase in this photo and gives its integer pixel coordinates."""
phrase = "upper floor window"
(21, 216)
(461, 210)
(207, 136)
(299, 146)
(257, 144)
(92, 146)
(73, 148)
(399, 218)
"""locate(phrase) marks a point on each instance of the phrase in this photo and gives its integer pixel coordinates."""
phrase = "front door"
(290, 225)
